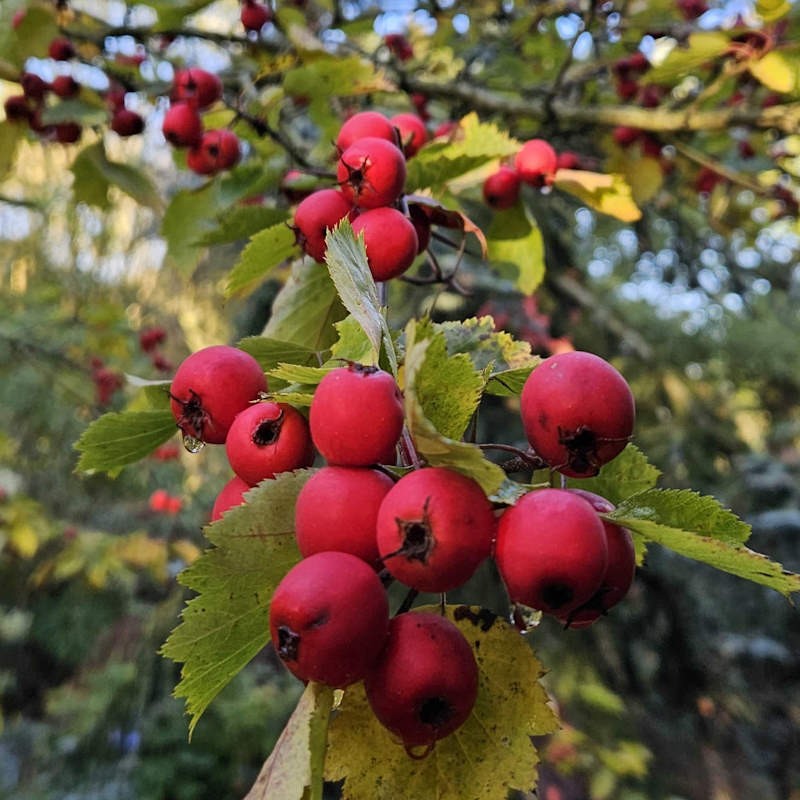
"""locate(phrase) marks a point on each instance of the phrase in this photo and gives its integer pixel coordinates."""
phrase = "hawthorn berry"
(412, 130)
(125, 122)
(356, 416)
(577, 411)
(197, 87)
(536, 162)
(329, 618)
(216, 151)
(319, 211)
(231, 495)
(372, 172)
(501, 188)
(399, 46)
(624, 135)
(434, 528)
(254, 15)
(267, 438)
(67, 132)
(17, 108)
(363, 124)
(61, 49)
(390, 239)
(33, 86)
(425, 683)
(337, 509)
(568, 160)
(210, 387)
(551, 551)
(182, 126)
(65, 86)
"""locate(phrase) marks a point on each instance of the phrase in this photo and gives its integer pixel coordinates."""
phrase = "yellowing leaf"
(771, 10)
(514, 238)
(643, 173)
(609, 194)
(489, 754)
(775, 72)
(701, 49)
(23, 539)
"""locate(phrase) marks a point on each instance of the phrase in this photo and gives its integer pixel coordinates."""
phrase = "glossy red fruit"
(372, 173)
(210, 387)
(625, 136)
(17, 108)
(425, 684)
(268, 438)
(255, 16)
(329, 618)
(65, 86)
(33, 86)
(337, 509)
(551, 551)
(413, 133)
(578, 412)
(197, 87)
(363, 124)
(356, 416)
(182, 126)
(61, 49)
(217, 151)
(434, 528)
(536, 162)
(619, 573)
(501, 188)
(390, 239)
(125, 122)
(319, 211)
(230, 496)
(568, 160)
(67, 132)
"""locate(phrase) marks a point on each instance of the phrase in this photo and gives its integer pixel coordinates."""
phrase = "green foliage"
(515, 241)
(265, 251)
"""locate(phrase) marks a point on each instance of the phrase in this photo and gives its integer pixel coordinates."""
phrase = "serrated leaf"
(95, 173)
(699, 528)
(700, 50)
(489, 754)
(242, 222)
(306, 308)
(353, 344)
(346, 257)
(227, 623)
(117, 439)
(431, 445)
(775, 71)
(486, 347)
(263, 253)
(608, 194)
(440, 162)
(296, 762)
(630, 473)
(508, 383)
(329, 77)
(271, 352)
(514, 239)
(189, 215)
(294, 373)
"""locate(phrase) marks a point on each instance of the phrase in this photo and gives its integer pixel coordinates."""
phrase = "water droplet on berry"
(192, 444)
(524, 618)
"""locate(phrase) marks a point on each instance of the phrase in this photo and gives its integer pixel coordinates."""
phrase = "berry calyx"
(536, 162)
(372, 173)
(390, 239)
(329, 618)
(197, 87)
(577, 411)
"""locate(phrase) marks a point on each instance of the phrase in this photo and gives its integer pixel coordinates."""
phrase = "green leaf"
(699, 528)
(330, 76)
(440, 162)
(294, 373)
(242, 222)
(271, 352)
(701, 49)
(117, 439)
(172, 14)
(297, 760)
(76, 110)
(306, 308)
(775, 71)
(228, 622)
(489, 754)
(189, 215)
(32, 36)
(353, 344)
(346, 257)
(263, 253)
(508, 383)
(515, 240)
(431, 445)
(628, 474)
(772, 10)
(10, 136)
(608, 194)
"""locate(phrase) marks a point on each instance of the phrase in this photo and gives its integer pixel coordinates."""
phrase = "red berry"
(313, 217)
(399, 46)
(126, 123)
(166, 452)
(19, 16)
(268, 438)
(619, 573)
(425, 683)
(159, 501)
(337, 509)
(501, 188)
(329, 618)
(364, 124)
(151, 338)
(413, 133)
(231, 495)
(706, 180)
(551, 551)
(568, 160)
(217, 150)
(624, 135)
(692, 9)
(372, 173)
(67, 132)
(627, 88)
(33, 86)
(211, 387)
(434, 528)
(65, 86)
(17, 108)
(255, 16)
(61, 49)
(182, 125)
(197, 87)
(356, 416)
(390, 239)
(536, 162)
(578, 412)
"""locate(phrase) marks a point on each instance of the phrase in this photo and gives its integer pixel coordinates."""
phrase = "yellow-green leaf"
(514, 240)
(608, 194)
(775, 71)
(772, 10)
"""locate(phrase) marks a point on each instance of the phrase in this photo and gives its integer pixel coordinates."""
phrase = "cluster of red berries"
(371, 173)
(107, 382)
(162, 502)
(150, 341)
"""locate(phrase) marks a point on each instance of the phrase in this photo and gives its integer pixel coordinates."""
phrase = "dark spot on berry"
(556, 595)
(288, 643)
(435, 711)
(268, 431)
(581, 450)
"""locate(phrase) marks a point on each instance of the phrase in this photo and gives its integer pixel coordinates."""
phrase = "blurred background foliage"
(691, 689)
